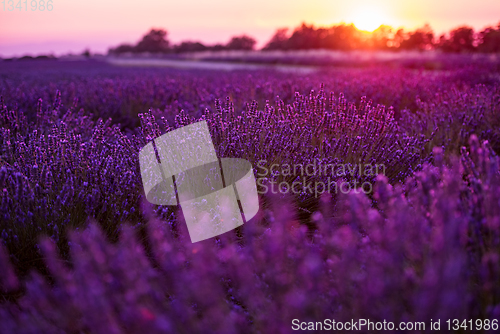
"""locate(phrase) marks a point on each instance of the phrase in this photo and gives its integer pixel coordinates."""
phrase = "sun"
(368, 18)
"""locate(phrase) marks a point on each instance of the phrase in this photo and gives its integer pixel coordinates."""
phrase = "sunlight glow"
(368, 18)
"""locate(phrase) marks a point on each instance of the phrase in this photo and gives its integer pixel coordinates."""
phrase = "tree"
(489, 40)
(344, 37)
(461, 39)
(421, 39)
(278, 41)
(398, 38)
(304, 37)
(380, 37)
(243, 42)
(154, 41)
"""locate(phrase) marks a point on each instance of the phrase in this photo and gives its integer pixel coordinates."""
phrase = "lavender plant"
(423, 245)
(122, 93)
(79, 167)
(430, 251)
(59, 170)
(457, 115)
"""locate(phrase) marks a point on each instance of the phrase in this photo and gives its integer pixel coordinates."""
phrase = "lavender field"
(82, 251)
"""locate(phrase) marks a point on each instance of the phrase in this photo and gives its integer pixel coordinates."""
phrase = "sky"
(75, 25)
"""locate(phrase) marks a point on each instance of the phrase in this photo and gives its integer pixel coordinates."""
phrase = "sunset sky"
(74, 25)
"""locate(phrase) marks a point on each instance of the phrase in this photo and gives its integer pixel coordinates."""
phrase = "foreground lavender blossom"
(433, 250)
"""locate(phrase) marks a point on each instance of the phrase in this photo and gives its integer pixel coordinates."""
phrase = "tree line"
(155, 41)
(347, 37)
(344, 37)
